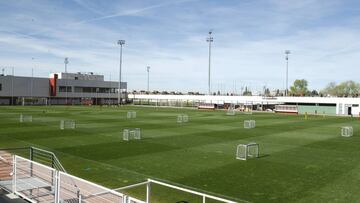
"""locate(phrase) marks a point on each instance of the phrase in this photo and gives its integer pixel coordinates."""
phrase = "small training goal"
(134, 133)
(347, 131)
(182, 118)
(131, 114)
(67, 124)
(246, 151)
(231, 110)
(25, 118)
(248, 124)
(246, 108)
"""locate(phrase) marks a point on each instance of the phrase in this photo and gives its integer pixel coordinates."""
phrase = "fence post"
(14, 174)
(148, 190)
(57, 186)
(204, 199)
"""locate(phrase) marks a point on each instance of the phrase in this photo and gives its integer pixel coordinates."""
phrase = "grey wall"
(41, 87)
(21, 86)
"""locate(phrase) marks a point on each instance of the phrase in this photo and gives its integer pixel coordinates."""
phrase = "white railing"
(33, 181)
(149, 182)
(39, 183)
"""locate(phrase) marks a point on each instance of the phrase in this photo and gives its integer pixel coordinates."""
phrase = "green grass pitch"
(300, 160)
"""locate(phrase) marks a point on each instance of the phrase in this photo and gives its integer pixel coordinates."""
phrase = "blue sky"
(250, 37)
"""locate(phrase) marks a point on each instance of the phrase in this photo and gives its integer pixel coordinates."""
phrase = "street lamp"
(210, 39)
(121, 43)
(66, 61)
(148, 78)
(287, 52)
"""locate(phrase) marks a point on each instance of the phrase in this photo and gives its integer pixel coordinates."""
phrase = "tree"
(345, 89)
(247, 92)
(314, 93)
(299, 88)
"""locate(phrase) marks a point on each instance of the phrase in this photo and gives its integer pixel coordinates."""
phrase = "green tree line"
(345, 89)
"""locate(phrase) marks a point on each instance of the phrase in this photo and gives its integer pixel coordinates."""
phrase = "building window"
(0, 86)
(64, 89)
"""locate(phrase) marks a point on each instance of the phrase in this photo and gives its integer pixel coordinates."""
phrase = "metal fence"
(39, 183)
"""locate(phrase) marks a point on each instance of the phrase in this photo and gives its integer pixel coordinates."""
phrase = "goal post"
(246, 151)
(231, 110)
(347, 131)
(25, 118)
(67, 124)
(126, 134)
(246, 108)
(134, 133)
(182, 118)
(131, 114)
(248, 124)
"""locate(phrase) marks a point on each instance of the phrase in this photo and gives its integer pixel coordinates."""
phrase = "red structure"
(53, 85)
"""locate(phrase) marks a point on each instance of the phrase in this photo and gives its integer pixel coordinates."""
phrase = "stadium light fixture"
(121, 43)
(148, 78)
(210, 39)
(66, 62)
(287, 52)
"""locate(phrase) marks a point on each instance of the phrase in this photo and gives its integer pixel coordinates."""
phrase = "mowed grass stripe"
(298, 153)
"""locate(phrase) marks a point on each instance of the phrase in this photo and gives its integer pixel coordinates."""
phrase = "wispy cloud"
(132, 12)
(249, 40)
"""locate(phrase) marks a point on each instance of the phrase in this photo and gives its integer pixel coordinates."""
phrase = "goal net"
(182, 118)
(347, 131)
(249, 124)
(25, 118)
(245, 151)
(129, 134)
(231, 110)
(246, 108)
(131, 114)
(67, 124)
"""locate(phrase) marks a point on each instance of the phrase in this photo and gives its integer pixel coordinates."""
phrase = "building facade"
(300, 105)
(60, 88)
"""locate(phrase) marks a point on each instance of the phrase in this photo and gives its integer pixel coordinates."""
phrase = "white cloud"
(249, 41)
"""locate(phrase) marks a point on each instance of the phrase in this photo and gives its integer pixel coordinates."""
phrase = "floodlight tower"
(210, 39)
(287, 52)
(32, 79)
(121, 43)
(148, 78)
(66, 61)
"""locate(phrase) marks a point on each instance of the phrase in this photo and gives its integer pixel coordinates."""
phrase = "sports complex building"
(59, 88)
(92, 89)
(298, 105)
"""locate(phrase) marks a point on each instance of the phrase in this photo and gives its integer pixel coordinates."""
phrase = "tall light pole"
(121, 43)
(210, 39)
(32, 81)
(287, 52)
(148, 78)
(66, 61)
(12, 86)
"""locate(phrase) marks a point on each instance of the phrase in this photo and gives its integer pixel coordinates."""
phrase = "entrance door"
(349, 110)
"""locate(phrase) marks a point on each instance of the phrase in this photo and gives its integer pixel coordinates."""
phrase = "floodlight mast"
(210, 39)
(121, 43)
(66, 61)
(148, 78)
(287, 52)
(32, 80)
